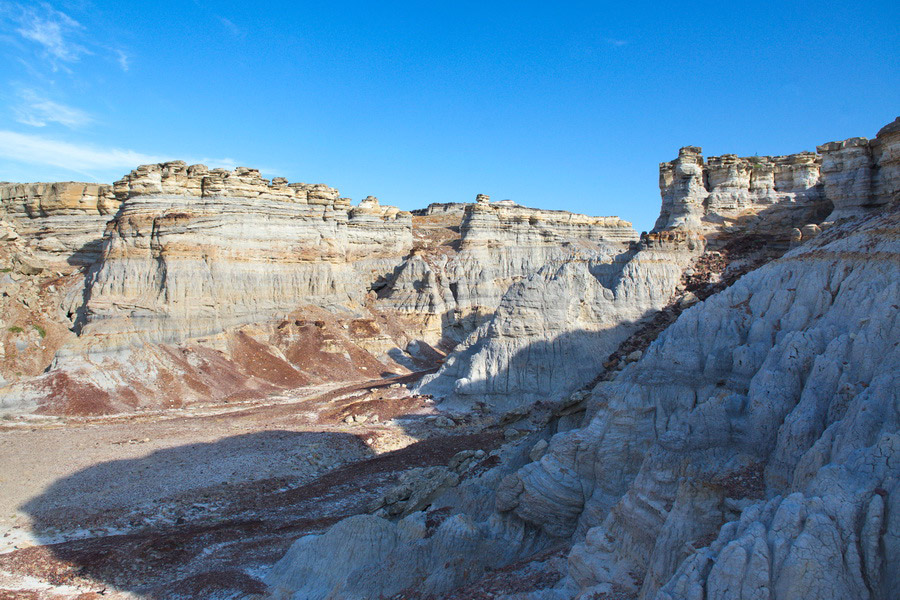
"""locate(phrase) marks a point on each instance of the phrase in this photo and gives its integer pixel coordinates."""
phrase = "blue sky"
(556, 105)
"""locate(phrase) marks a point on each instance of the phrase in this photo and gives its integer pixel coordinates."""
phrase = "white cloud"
(37, 111)
(123, 60)
(86, 159)
(52, 30)
(230, 26)
(82, 158)
(616, 43)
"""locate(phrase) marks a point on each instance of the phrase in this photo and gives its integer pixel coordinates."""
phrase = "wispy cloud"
(123, 59)
(83, 158)
(615, 42)
(53, 31)
(230, 26)
(38, 111)
(86, 159)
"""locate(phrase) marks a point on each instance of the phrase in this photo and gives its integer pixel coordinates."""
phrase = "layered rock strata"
(848, 177)
(584, 304)
(194, 252)
(860, 174)
(564, 309)
(64, 221)
(750, 452)
(458, 283)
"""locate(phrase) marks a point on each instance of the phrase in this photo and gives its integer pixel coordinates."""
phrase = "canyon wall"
(750, 451)
(194, 252)
(454, 287)
(850, 177)
(63, 221)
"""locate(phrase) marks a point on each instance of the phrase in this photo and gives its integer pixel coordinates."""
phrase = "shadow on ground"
(207, 520)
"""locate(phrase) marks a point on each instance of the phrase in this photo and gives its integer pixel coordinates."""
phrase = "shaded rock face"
(770, 389)
(751, 451)
(583, 303)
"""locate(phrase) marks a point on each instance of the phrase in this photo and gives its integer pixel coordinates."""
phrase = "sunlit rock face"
(194, 257)
(704, 195)
(498, 245)
(862, 175)
(193, 252)
(63, 221)
(850, 176)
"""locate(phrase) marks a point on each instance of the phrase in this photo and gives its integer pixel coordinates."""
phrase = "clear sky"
(564, 105)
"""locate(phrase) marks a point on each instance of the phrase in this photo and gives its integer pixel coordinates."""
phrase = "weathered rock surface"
(576, 306)
(64, 221)
(749, 452)
(851, 177)
(193, 255)
(454, 283)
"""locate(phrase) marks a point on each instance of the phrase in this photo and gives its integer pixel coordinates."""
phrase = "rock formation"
(191, 256)
(749, 452)
(456, 284)
(851, 176)
(63, 221)
(195, 252)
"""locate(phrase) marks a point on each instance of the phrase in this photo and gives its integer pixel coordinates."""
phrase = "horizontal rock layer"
(849, 177)
(457, 281)
(64, 221)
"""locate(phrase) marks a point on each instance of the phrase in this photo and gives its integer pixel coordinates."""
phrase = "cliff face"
(851, 177)
(456, 282)
(211, 284)
(64, 221)
(193, 253)
(197, 259)
(751, 451)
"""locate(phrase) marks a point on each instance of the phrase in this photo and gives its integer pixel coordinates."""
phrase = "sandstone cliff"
(191, 259)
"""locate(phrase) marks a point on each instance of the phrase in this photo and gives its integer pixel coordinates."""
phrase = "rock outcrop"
(849, 177)
(862, 175)
(64, 221)
(700, 195)
(194, 252)
(751, 451)
(195, 256)
(454, 284)
(584, 304)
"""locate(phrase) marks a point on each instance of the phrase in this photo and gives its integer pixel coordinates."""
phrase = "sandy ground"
(200, 503)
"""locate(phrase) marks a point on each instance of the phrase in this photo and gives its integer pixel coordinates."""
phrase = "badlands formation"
(708, 410)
